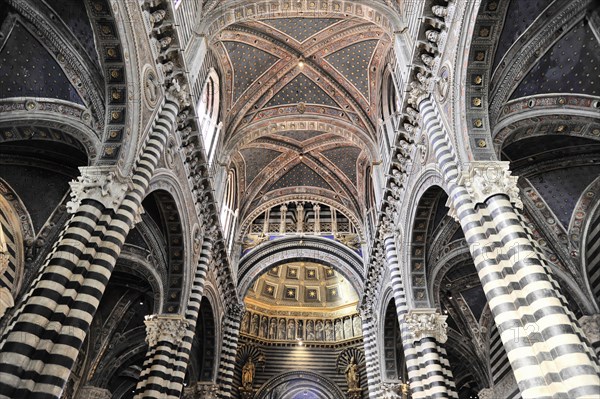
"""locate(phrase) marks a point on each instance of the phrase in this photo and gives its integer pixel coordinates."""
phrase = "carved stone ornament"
(4, 255)
(417, 92)
(102, 184)
(591, 327)
(424, 323)
(90, 392)
(6, 300)
(451, 209)
(485, 179)
(165, 327)
(202, 390)
(178, 93)
(486, 393)
(235, 311)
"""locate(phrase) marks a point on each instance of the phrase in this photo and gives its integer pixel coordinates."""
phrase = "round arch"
(290, 384)
(312, 249)
(178, 236)
(236, 11)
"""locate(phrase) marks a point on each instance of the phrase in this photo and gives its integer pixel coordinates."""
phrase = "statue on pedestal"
(248, 374)
(352, 376)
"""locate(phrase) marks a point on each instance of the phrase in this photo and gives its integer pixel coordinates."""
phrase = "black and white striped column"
(46, 333)
(548, 357)
(428, 372)
(166, 361)
(426, 330)
(373, 367)
(231, 334)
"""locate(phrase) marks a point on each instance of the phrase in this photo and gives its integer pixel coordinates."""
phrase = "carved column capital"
(591, 327)
(484, 179)
(235, 311)
(417, 93)
(91, 392)
(424, 323)
(486, 393)
(103, 184)
(165, 327)
(202, 390)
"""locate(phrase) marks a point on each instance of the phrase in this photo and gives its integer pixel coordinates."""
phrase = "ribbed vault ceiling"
(322, 71)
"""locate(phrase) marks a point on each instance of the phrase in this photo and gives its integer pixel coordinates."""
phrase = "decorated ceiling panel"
(302, 284)
(256, 159)
(301, 175)
(318, 71)
(73, 13)
(345, 158)
(561, 188)
(248, 64)
(519, 16)
(300, 29)
(27, 69)
(551, 145)
(353, 62)
(301, 90)
(570, 66)
(301, 135)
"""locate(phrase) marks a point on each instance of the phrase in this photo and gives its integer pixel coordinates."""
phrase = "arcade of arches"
(299, 199)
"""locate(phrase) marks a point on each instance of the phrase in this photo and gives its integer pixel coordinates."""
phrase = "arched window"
(208, 113)
(229, 210)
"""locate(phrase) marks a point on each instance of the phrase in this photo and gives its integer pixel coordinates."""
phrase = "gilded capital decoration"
(484, 179)
(165, 327)
(423, 323)
(102, 184)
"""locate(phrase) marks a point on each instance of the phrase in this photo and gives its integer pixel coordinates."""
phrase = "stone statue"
(328, 330)
(254, 325)
(319, 332)
(264, 327)
(248, 373)
(245, 322)
(352, 375)
(300, 330)
(291, 330)
(357, 325)
(281, 330)
(339, 334)
(347, 328)
(310, 330)
(273, 329)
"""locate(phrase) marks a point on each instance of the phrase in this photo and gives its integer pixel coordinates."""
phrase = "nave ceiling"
(300, 105)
